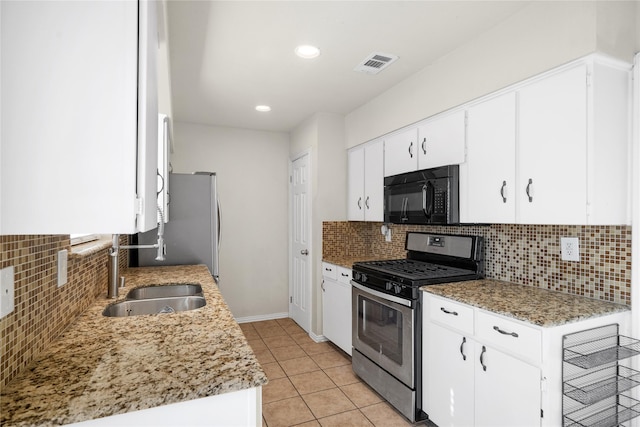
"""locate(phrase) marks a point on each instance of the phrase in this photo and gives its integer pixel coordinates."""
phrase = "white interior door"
(300, 287)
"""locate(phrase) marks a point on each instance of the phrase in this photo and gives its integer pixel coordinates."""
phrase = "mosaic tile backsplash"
(42, 309)
(522, 254)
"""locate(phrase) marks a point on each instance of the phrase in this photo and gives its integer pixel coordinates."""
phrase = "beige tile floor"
(312, 384)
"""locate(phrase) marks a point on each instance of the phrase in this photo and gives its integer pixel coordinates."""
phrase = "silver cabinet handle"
(366, 202)
(304, 252)
(484, 350)
(504, 185)
(529, 190)
(497, 329)
(411, 150)
(464, 340)
(424, 145)
(328, 269)
(444, 310)
(344, 274)
(359, 202)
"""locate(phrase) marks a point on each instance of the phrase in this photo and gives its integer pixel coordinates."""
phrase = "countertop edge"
(540, 307)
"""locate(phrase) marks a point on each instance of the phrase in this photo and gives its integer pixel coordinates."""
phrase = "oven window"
(380, 327)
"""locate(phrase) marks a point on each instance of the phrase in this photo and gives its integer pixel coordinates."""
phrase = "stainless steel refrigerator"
(192, 235)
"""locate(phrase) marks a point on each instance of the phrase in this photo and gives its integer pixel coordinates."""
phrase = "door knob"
(304, 252)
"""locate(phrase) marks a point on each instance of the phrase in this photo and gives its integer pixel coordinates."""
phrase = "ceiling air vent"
(375, 63)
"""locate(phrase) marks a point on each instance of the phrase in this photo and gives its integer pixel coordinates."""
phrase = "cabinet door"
(448, 381)
(374, 182)
(489, 187)
(355, 191)
(70, 117)
(441, 141)
(147, 165)
(507, 390)
(401, 153)
(552, 157)
(336, 313)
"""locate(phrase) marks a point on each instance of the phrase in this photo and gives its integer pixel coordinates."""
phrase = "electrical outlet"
(62, 267)
(570, 248)
(7, 297)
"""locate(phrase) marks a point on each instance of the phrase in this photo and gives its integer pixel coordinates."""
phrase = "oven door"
(383, 330)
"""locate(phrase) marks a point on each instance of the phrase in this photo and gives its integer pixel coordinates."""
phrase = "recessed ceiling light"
(263, 108)
(307, 51)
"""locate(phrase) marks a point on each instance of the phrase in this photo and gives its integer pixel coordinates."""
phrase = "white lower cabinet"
(507, 390)
(336, 305)
(450, 391)
(470, 382)
(484, 369)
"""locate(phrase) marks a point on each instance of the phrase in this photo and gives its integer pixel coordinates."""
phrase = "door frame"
(292, 159)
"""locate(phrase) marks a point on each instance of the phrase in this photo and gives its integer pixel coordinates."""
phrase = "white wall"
(252, 168)
(323, 135)
(539, 37)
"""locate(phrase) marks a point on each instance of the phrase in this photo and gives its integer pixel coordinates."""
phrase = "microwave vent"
(375, 62)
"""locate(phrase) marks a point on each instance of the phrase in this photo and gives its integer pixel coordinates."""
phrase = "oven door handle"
(381, 295)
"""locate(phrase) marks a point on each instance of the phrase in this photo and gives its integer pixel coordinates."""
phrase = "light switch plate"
(62, 267)
(570, 248)
(7, 296)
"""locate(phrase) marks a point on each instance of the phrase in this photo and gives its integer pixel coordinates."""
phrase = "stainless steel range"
(387, 313)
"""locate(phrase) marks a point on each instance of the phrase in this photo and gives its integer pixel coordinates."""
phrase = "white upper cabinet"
(552, 150)
(487, 179)
(366, 183)
(401, 152)
(79, 122)
(441, 140)
(437, 141)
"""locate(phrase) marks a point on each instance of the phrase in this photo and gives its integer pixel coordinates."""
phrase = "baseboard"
(317, 338)
(261, 317)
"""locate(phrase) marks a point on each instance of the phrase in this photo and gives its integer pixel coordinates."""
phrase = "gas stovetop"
(414, 269)
(431, 259)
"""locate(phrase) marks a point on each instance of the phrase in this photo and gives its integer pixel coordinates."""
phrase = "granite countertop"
(104, 366)
(347, 261)
(541, 307)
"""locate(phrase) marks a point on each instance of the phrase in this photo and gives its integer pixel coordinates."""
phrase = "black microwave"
(428, 196)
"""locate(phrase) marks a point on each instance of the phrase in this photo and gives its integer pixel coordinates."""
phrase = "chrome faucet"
(112, 288)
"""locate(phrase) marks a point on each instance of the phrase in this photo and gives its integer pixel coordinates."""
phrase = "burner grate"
(415, 270)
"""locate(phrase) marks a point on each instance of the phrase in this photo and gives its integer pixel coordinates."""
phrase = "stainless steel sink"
(154, 306)
(163, 291)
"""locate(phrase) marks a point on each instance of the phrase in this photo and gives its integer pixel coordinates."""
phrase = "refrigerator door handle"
(219, 225)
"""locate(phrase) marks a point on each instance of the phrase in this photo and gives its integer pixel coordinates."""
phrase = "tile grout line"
(320, 369)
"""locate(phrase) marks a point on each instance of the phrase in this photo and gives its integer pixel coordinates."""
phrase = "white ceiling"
(229, 56)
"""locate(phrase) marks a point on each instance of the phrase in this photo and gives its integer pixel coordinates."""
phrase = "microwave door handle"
(405, 207)
(428, 194)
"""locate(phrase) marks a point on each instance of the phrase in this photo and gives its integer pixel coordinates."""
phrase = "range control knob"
(356, 276)
(397, 288)
(364, 278)
(388, 286)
